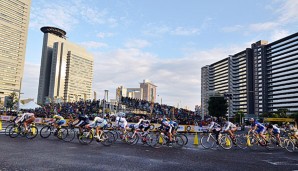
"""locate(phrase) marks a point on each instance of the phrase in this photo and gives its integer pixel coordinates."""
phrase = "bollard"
(196, 140)
(160, 141)
(248, 140)
(228, 142)
(0, 124)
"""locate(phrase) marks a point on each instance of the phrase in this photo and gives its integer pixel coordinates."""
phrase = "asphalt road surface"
(53, 154)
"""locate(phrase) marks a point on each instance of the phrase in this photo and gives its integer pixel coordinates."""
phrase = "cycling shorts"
(61, 122)
(82, 123)
(260, 130)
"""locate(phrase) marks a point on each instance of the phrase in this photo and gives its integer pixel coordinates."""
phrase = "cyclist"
(174, 126)
(81, 121)
(59, 120)
(166, 127)
(275, 130)
(214, 127)
(229, 127)
(98, 123)
(294, 132)
(257, 127)
(121, 122)
(26, 119)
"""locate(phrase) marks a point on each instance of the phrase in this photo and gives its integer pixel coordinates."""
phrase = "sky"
(164, 41)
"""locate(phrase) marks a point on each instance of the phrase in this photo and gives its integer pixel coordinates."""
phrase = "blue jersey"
(258, 124)
(173, 124)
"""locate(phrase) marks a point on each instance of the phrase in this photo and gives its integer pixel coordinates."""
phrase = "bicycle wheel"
(14, 131)
(32, 132)
(208, 141)
(252, 143)
(62, 133)
(8, 128)
(130, 137)
(178, 141)
(184, 137)
(71, 133)
(108, 138)
(271, 143)
(45, 131)
(86, 138)
(241, 141)
(225, 142)
(149, 139)
(289, 145)
(159, 140)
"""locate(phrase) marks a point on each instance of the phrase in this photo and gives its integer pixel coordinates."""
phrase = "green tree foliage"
(218, 106)
(238, 117)
(13, 99)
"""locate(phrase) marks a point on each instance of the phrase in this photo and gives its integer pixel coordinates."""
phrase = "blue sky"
(165, 41)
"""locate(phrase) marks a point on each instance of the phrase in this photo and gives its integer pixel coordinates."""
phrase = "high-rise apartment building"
(14, 20)
(261, 79)
(66, 70)
(149, 90)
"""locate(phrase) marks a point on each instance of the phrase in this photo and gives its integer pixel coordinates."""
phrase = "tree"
(239, 115)
(13, 99)
(282, 112)
(218, 106)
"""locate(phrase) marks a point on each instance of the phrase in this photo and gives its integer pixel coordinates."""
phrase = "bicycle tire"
(129, 137)
(289, 145)
(71, 133)
(184, 137)
(241, 141)
(32, 132)
(45, 131)
(108, 138)
(178, 142)
(62, 133)
(8, 128)
(86, 138)
(226, 142)
(207, 142)
(159, 141)
(14, 132)
(149, 139)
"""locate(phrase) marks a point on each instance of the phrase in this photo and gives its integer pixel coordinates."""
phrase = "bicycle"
(160, 139)
(208, 140)
(47, 130)
(134, 136)
(254, 141)
(19, 129)
(10, 126)
(226, 142)
(118, 133)
(290, 143)
(106, 138)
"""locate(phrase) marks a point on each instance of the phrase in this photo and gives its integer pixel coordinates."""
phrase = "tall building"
(14, 20)
(149, 90)
(66, 70)
(261, 79)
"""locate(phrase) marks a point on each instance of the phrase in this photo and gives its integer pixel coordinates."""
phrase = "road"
(53, 154)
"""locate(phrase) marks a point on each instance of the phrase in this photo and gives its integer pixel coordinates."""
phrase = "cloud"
(278, 34)
(137, 43)
(93, 45)
(263, 26)
(104, 35)
(63, 15)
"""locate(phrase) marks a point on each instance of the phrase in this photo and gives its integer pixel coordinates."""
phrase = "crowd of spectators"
(95, 107)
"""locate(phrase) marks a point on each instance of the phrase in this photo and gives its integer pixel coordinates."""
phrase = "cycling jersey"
(142, 124)
(98, 122)
(121, 122)
(174, 124)
(228, 126)
(260, 127)
(83, 120)
(276, 130)
(59, 119)
(214, 126)
(24, 117)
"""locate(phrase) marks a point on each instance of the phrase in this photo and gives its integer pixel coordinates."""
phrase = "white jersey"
(228, 125)
(24, 117)
(121, 122)
(98, 121)
(213, 125)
